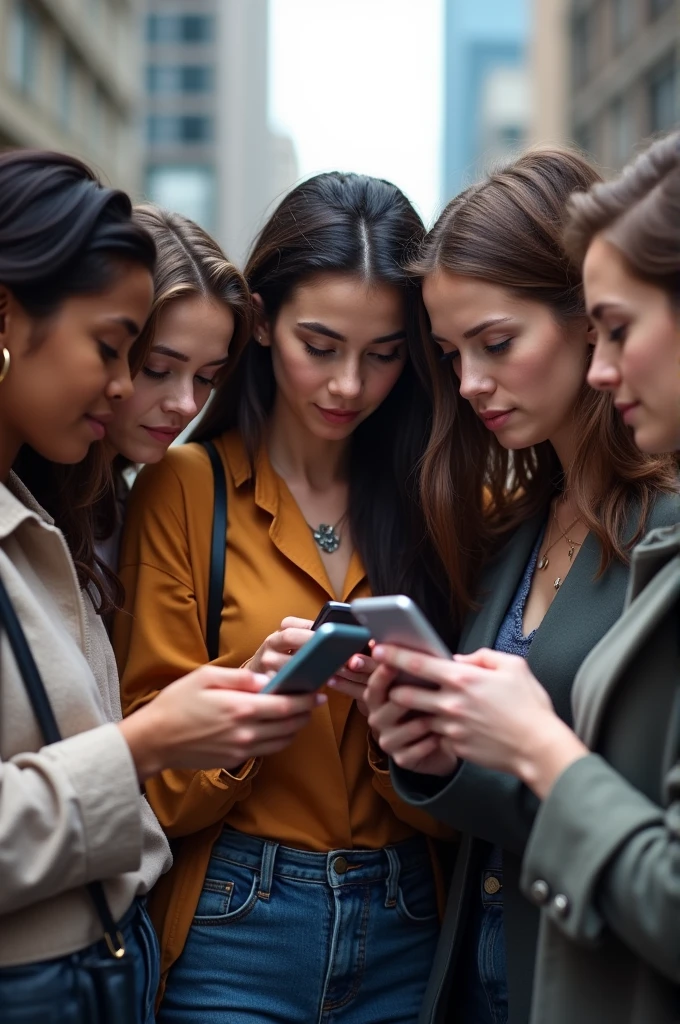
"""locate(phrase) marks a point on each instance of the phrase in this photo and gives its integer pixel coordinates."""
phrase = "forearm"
(550, 749)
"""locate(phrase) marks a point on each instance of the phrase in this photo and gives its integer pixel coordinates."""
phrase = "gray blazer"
(606, 842)
(494, 807)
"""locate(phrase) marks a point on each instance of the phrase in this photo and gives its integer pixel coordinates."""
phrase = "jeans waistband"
(333, 867)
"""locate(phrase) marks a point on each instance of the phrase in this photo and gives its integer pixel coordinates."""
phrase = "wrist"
(144, 738)
(550, 749)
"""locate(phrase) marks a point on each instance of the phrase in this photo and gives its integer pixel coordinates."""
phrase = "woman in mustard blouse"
(303, 888)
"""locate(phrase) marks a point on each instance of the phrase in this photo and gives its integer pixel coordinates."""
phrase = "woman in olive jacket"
(603, 858)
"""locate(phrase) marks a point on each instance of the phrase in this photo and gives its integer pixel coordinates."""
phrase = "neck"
(10, 446)
(297, 455)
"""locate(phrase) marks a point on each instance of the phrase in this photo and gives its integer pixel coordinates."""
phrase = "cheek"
(297, 373)
(382, 379)
(144, 399)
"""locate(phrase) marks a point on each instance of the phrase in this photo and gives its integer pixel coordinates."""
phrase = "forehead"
(604, 267)
(338, 300)
(463, 301)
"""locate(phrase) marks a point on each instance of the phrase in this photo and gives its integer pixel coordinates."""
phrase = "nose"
(604, 373)
(347, 382)
(181, 400)
(120, 386)
(473, 380)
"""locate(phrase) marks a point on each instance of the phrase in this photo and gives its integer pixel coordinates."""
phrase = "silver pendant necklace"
(326, 536)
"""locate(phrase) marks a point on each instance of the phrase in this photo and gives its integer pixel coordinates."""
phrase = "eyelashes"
(494, 350)
(322, 353)
(162, 374)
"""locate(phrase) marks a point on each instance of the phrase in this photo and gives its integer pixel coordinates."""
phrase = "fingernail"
(358, 664)
(331, 682)
(321, 698)
(378, 651)
(261, 678)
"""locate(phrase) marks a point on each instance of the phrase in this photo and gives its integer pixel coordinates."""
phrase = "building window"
(187, 128)
(623, 22)
(24, 46)
(582, 47)
(584, 138)
(663, 96)
(188, 190)
(187, 78)
(67, 74)
(179, 28)
(657, 7)
(622, 139)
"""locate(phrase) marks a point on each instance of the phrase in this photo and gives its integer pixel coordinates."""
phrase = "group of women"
(485, 417)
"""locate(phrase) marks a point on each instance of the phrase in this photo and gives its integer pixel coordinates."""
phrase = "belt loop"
(392, 884)
(267, 869)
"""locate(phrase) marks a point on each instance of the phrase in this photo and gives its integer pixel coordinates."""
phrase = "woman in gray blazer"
(603, 856)
(506, 308)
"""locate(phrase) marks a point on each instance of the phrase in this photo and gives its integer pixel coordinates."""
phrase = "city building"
(625, 74)
(69, 80)
(549, 72)
(210, 153)
(487, 96)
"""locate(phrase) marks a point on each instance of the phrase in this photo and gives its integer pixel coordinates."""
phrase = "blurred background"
(215, 108)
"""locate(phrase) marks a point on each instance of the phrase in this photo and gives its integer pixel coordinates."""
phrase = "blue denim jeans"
(285, 936)
(52, 983)
(485, 996)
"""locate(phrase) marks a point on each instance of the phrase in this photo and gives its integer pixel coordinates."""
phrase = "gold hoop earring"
(4, 370)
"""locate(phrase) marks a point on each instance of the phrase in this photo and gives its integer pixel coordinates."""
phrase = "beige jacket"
(70, 812)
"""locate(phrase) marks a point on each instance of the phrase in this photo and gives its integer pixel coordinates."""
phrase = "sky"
(358, 86)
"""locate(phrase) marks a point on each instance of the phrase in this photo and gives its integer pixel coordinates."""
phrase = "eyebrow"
(597, 311)
(173, 354)
(312, 325)
(474, 331)
(130, 326)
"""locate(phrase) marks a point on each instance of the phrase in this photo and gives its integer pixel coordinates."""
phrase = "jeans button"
(492, 885)
(340, 865)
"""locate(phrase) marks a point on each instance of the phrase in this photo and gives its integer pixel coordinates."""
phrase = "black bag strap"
(218, 553)
(42, 709)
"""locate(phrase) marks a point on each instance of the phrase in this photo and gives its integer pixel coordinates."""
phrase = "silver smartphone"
(398, 620)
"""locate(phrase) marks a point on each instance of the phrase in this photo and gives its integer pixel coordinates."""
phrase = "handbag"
(105, 984)
(218, 553)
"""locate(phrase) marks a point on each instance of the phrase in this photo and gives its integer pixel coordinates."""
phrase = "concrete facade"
(69, 80)
(625, 74)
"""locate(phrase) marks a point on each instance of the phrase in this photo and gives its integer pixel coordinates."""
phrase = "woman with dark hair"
(603, 857)
(302, 884)
(79, 847)
(535, 494)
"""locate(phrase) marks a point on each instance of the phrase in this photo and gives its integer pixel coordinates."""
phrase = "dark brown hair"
(363, 226)
(62, 235)
(639, 213)
(507, 230)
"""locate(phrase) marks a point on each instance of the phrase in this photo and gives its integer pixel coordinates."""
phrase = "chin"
(657, 442)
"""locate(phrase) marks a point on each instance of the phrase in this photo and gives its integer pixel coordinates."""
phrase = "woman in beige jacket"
(75, 291)
(603, 858)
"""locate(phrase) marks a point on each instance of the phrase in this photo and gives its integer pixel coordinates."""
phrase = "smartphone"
(322, 656)
(338, 611)
(398, 620)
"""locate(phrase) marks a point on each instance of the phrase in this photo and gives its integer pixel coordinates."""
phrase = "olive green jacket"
(493, 807)
(604, 855)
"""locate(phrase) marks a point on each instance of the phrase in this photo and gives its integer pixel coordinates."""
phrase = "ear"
(591, 333)
(262, 328)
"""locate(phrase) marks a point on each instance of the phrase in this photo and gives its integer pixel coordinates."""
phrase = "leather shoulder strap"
(218, 553)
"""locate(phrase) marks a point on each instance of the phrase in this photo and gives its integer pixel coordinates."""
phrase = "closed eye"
(107, 351)
(320, 353)
(502, 346)
(155, 374)
(207, 382)
(447, 357)
(618, 333)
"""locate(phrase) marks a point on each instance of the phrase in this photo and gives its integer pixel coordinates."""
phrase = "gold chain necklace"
(544, 562)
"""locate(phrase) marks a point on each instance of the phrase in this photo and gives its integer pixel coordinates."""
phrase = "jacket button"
(561, 905)
(340, 865)
(540, 892)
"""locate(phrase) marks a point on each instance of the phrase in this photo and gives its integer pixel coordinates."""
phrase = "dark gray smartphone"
(338, 611)
(322, 656)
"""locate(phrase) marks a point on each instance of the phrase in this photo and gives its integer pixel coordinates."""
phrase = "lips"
(495, 419)
(164, 435)
(338, 416)
(625, 408)
(97, 425)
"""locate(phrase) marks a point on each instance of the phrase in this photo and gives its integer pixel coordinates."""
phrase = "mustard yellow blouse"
(330, 789)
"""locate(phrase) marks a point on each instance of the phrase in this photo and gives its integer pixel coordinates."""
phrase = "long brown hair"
(639, 213)
(507, 230)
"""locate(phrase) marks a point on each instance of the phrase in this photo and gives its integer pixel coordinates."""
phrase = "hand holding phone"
(314, 664)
